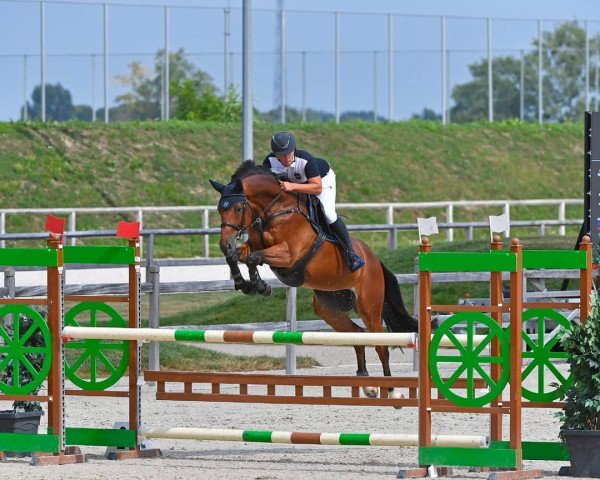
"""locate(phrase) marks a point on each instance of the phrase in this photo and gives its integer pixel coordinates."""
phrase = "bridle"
(261, 221)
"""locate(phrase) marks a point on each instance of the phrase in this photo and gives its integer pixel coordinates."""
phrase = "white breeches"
(327, 196)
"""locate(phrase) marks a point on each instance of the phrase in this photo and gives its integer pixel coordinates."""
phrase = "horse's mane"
(249, 168)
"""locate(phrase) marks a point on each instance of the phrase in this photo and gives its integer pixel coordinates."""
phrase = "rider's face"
(286, 160)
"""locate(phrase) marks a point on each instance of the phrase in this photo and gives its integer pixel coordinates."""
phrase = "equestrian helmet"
(283, 143)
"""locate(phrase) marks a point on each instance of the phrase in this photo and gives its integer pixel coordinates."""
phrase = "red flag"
(55, 224)
(128, 229)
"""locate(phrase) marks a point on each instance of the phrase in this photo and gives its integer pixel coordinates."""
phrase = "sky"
(74, 46)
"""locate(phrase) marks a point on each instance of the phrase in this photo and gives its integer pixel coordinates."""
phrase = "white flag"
(499, 224)
(427, 226)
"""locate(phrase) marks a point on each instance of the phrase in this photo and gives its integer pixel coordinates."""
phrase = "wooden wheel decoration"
(469, 360)
(19, 354)
(551, 383)
(109, 355)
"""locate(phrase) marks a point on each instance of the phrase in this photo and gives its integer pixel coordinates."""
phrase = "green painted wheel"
(551, 383)
(95, 364)
(23, 358)
(469, 361)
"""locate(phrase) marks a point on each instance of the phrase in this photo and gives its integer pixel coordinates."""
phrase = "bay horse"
(281, 235)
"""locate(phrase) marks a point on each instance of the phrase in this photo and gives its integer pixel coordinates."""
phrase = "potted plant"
(580, 418)
(24, 417)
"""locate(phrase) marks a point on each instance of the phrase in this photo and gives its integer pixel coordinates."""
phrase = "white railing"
(449, 208)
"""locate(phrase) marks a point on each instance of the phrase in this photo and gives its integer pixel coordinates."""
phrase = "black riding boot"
(341, 232)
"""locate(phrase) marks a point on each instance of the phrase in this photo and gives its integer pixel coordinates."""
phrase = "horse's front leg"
(240, 283)
(262, 287)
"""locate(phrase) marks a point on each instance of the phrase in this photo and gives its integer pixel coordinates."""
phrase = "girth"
(294, 276)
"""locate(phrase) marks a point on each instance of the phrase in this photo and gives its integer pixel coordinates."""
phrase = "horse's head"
(235, 214)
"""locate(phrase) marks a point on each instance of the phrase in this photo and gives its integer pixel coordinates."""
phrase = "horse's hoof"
(266, 292)
(371, 392)
(249, 290)
(396, 395)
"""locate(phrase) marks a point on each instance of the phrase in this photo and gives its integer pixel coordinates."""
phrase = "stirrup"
(355, 262)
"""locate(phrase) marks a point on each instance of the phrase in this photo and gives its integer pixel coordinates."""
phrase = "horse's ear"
(216, 185)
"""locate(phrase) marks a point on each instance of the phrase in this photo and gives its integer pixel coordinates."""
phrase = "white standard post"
(450, 219)
(73, 226)
(561, 218)
(392, 231)
(292, 324)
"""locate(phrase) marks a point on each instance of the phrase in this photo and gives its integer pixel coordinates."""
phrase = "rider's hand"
(286, 186)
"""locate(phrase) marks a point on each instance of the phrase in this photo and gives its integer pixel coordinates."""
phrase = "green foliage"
(35, 359)
(563, 60)
(143, 100)
(582, 402)
(206, 106)
(59, 104)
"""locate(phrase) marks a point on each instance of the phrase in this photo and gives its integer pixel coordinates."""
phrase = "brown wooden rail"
(348, 388)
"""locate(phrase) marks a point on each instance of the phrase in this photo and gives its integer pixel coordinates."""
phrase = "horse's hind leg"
(369, 305)
(333, 307)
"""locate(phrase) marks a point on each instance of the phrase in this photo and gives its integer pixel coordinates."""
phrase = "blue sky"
(74, 40)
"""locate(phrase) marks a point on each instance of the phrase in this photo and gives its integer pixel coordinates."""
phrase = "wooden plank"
(468, 457)
(287, 400)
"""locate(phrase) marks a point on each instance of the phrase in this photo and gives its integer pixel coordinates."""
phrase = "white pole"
(587, 68)
(444, 78)
(25, 112)
(337, 67)
(375, 86)
(490, 72)
(105, 53)
(166, 67)
(247, 127)
(282, 65)
(43, 60)
(390, 70)
(540, 76)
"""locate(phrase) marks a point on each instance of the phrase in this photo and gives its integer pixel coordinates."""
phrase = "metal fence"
(396, 217)
(367, 65)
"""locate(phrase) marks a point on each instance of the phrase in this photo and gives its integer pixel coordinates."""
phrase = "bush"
(582, 345)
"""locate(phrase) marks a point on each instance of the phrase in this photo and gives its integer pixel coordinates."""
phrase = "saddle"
(318, 220)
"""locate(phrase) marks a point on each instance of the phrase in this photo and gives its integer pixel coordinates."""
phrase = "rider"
(310, 175)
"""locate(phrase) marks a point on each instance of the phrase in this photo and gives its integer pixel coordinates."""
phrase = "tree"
(471, 98)
(144, 99)
(563, 57)
(427, 114)
(207, 105)
(59, 104)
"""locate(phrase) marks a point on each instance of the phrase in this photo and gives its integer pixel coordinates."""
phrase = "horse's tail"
(394, 313)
